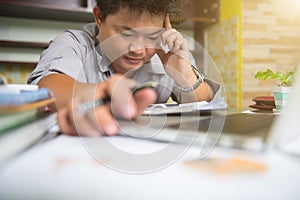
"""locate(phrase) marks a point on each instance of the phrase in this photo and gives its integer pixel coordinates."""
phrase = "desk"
(62, 168)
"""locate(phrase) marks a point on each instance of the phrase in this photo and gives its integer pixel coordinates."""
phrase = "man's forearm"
(62, 87)
(202, 93)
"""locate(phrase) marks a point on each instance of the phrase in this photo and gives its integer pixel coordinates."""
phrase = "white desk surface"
(62, 168)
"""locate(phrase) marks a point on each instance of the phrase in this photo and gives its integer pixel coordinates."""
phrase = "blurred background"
(241, 37)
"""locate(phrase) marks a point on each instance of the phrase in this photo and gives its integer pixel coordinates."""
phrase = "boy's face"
(128, 39)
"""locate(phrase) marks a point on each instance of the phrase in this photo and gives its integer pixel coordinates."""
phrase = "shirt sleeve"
(215, 86)
(64, 55)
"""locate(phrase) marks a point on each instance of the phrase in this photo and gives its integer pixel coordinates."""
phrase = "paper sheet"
(158, 109)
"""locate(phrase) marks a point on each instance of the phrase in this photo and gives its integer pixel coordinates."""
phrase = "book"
(16, 96)
(18, 139)
(17, 88)
(264, 103)
(12, 116)
(22, 125)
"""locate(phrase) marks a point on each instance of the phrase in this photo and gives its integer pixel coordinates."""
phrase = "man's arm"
(178, 66)
(62, 87)
(202, 93)
(70, 94)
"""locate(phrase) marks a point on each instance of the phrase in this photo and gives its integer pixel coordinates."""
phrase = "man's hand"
(102, 120)
(177, 61)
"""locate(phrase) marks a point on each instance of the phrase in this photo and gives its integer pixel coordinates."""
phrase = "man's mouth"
(133, 61)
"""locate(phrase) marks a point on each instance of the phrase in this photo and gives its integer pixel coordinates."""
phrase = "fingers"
(126, 105)
(72, 124)
(167, 22)
(102, 119)
(122, 103)
(172, 38)
(96, 122)
(65, 123)
(144, 98)
(105, 121)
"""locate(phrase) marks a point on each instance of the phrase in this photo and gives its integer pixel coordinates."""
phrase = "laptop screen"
(286, 128)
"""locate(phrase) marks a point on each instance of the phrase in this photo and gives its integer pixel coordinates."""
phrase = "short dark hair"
(153, 7)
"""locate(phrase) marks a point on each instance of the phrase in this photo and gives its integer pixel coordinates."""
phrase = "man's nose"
(137, 46)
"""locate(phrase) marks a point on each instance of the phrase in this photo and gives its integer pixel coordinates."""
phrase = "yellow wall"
(224, 44)
(233, 9)
(230, 9)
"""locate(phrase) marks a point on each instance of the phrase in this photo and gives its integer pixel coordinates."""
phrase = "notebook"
(254, 131)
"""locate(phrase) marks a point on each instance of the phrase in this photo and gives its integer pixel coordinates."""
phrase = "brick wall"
(271, 39)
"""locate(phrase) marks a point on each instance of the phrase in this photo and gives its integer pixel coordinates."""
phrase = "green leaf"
(285, 79)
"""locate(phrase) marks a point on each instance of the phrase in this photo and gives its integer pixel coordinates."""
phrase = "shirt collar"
(92, 30)
(103, 61)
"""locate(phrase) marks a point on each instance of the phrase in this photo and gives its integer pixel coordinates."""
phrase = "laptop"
(252, 131)
(258, 131)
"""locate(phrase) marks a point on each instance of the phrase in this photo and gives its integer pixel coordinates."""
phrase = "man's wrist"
(200, 79)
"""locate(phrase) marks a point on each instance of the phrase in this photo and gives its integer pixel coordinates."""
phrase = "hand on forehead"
(167, 21)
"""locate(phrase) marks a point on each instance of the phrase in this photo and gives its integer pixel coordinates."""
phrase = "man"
(109, 57)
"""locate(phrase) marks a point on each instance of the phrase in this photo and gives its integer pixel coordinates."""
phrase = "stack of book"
(264, 103)
(27, 113)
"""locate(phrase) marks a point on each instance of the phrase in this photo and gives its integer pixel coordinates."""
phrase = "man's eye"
(124, 34)
(152, 38)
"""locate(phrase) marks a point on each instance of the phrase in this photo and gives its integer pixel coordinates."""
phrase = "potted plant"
(282, 90)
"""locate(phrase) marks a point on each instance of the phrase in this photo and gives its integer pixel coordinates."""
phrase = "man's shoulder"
(84, 37)
(89, 30)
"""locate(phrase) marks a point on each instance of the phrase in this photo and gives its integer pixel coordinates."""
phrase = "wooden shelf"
(6, 62)
(8, 43)
(202, 13)
(66, 10)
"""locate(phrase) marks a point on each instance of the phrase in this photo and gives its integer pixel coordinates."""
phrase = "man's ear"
(97, 15)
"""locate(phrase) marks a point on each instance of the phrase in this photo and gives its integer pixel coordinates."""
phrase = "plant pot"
(281, 95)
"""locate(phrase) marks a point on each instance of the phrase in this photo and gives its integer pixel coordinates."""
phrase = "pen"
(87, 106)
